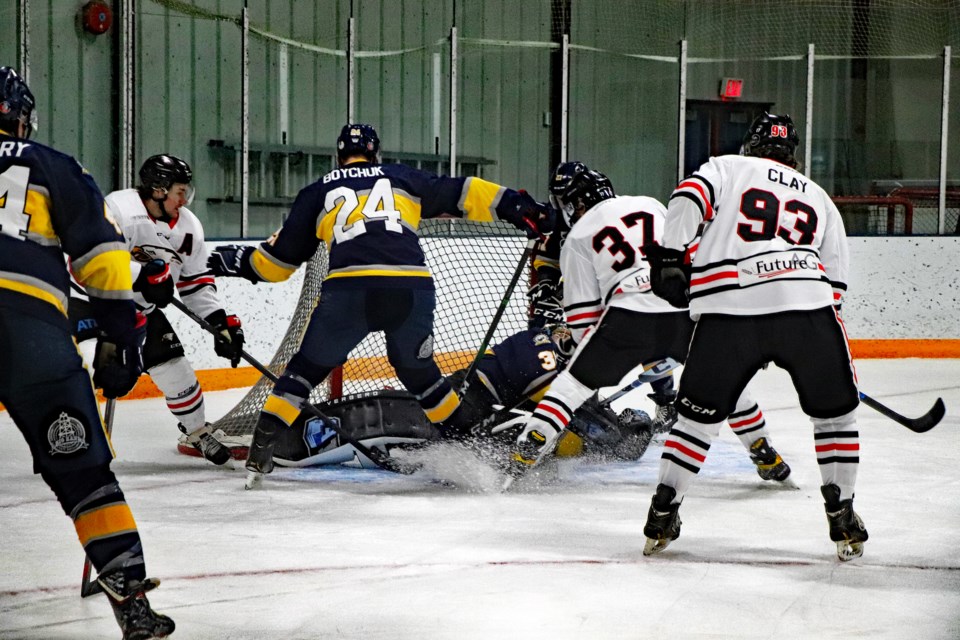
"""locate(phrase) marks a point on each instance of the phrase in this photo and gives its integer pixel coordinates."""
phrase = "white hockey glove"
(537, 436)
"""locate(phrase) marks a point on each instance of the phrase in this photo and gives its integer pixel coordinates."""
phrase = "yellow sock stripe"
(570, 445)
(108, 520)
(283, 409)
(445, 409)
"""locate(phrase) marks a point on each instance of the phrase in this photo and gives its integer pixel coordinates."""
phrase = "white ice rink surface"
(340, 553)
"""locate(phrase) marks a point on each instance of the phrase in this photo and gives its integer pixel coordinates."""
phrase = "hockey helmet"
(16, 103)
(772, 136)
(574, 185)
(161, 171)
(358, 139)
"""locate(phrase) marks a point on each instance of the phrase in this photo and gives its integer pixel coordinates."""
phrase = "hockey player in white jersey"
(769, 265)
(167, 244)
(613, 315)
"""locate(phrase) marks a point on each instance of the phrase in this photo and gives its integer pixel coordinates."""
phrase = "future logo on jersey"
(795, 265)
(67, 435)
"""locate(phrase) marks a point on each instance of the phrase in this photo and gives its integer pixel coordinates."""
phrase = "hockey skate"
(663, 521)
(666, 413)
(260, 457)
(132, 609)
(205, 441)
(846, 527)
(770, 466)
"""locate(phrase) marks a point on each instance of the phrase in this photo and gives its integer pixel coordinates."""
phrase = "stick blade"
(930, 419)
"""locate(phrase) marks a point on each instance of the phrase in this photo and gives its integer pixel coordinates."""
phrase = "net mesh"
(472, 265)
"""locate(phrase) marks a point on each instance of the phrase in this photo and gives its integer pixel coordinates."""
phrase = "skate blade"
(254, 480)
(847, 551)
(655, 545)
(787, 483)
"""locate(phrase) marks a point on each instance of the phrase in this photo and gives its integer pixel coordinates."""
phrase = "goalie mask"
(161, 172)
(772, 136)
(575, 189)
(16, 104)
(358, 139)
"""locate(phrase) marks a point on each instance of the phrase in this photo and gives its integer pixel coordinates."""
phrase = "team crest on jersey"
(541, 339)
(67, 435)
(426, 348)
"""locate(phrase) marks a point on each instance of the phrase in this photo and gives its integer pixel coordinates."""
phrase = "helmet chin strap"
(164, 216)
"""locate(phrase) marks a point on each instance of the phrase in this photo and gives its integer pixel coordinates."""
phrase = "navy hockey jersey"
(49, 205)
(368, 216)
(519, 367)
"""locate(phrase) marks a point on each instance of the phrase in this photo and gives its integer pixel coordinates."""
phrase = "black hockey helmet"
(358, 139)
(160, 172)
(16, 103)
(772, 136)
(574, 185)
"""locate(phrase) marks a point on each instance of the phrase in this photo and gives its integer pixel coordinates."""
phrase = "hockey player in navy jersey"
(367, 213)
(166, 241)
(616, 321)
(759, 253)
(51, 206)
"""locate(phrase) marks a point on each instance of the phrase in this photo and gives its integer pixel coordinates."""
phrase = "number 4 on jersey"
(13, 200)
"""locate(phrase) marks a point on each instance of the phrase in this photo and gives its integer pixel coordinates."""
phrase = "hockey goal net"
(472, 264)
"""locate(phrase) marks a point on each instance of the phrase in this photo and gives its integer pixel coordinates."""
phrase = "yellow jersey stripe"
(479, 199)
(109, 520)
(56, 300)
(268, 269)
(38, 208)
(445, 409)
(281, 408)
(106, 273)
(376, 272)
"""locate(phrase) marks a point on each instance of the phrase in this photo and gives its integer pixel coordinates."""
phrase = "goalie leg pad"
(103, 521)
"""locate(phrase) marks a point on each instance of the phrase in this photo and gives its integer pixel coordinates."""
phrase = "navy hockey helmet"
(358, 139)
(772, 136)
(574, 185)
(16, 103)
(161, 171)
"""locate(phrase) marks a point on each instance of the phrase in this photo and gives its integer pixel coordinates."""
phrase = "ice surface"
(346, 553)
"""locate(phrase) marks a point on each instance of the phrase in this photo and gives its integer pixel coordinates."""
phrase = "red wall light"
(731, 88)
(96, 18)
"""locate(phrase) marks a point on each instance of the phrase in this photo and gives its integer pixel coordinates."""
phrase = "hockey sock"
(180, 386)
(747, 421)
(838, 451)
(684, 452)
(564, 397)
(287, 398)
(440, 403)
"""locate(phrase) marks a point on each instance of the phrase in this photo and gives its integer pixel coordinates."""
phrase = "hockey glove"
(521, 209)
(155, 283)
(229, 343)
(669, 274)
(545, 298)
(118, 360)
(233, 261)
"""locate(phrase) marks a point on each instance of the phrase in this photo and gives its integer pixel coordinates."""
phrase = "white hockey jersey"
(602, 265)
(763, 238)
(179, 243)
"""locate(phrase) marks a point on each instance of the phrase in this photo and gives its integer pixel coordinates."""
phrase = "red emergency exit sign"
(731, 88)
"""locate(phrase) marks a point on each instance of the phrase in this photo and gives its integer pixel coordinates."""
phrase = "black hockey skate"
(666, 413)
(846, 527)
(260, 457)
(132, 609)
(770, 466)
(204, 441)
(663, 521)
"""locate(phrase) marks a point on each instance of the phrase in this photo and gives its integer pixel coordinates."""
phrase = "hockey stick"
(89, 587)
(651, 373)
(378, 457)
(521, 265)
(918, 425)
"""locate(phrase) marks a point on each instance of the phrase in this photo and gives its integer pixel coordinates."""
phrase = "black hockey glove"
(155, 283)
(545, 296)
(233, 261)
(669, 274)
(229, 343)
(521, 209)
(118, 361)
